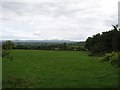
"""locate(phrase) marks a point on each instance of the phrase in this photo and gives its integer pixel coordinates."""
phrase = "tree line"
(106, 42)
(7, 46)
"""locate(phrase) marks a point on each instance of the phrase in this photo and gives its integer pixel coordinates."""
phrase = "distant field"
(57, 69)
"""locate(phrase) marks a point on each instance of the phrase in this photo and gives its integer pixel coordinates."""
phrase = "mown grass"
(57, 69)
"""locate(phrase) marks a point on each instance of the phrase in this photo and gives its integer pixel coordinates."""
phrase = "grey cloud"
(15, 7)
(62, 20)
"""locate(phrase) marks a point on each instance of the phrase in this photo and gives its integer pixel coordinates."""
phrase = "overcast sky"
(57, 19)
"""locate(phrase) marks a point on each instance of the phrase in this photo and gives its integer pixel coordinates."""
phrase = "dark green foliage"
(8, 45)
(113, 58)
(6, 48)
(5, 53)
(106, 42)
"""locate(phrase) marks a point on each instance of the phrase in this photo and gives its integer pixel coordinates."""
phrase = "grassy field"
(0, 71)
(57, 69)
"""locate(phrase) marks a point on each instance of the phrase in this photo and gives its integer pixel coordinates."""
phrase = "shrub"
(113, 58)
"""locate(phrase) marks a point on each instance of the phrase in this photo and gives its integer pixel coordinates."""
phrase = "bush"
(113, 58)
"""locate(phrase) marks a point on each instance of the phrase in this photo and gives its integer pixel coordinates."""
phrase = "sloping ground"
(57, 69)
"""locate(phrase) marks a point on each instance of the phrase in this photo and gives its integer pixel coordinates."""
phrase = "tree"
(106, 42)
(6, 47)
(115, 27)
(64, 46)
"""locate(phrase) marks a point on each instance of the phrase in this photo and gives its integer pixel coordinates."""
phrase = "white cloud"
(71, 20)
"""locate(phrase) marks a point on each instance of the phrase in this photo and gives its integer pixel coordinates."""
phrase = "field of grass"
(57, 69)
(0, 71)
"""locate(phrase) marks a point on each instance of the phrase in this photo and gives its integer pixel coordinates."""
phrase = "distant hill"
(44, 41)
(41, 41)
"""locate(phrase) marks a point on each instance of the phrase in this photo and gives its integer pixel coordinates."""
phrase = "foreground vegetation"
(113, 58)
(57, 69)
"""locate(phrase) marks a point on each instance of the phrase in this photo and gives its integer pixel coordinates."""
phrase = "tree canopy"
(6, 47)
(106, 42)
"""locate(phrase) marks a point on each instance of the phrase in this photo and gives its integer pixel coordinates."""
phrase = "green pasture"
(57, 69)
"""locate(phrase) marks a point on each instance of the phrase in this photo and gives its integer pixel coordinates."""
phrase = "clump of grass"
(16, 82)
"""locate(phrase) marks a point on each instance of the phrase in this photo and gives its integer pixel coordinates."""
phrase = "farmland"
(57, 69)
